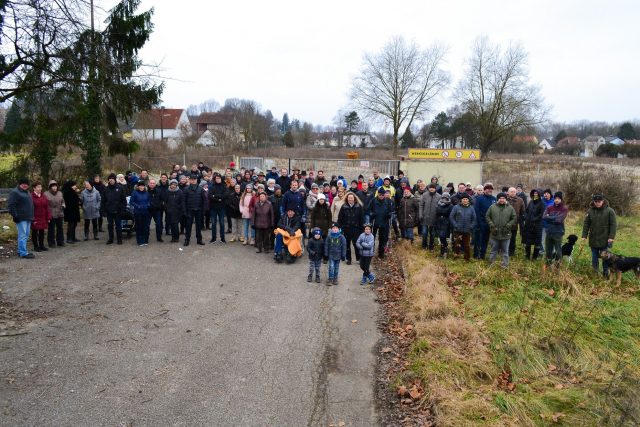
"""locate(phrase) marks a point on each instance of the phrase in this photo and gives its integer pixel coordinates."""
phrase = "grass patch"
(8, 232)
(521, 347)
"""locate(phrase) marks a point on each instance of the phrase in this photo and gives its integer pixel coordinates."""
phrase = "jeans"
(157, 219)
(334, 268)
(142, 228)
(23, 227)
(428, 236)
(55, 233)
(114, 219)
(480, 249)
(502, 245)
(407, 233)
(553, 247)
(279, 246)
(246, 225)
(595, 260)
(217, 216)
(236, 227)
(314, 266)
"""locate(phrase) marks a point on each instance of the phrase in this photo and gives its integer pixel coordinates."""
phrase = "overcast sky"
(300, 57)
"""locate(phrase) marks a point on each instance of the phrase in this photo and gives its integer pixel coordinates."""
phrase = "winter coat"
(518, 205)
(311, 201)
(262, 215)
(140, 202)
(481, 206)
(456, 198)
(174, 206)
(335, 208)
(321, 218)
(600, 225)
(245, 206)
(290, 225)
(217, 195)
(91, 202)
(276, 202)
(315, 248)
(284, 182)
(428, 205)
(442, 223)
(114, 200)
(335, 246)
(408, 211)
(20, 205)
(500, 219)
(366, 244)
(533, 221)
(381, 211)
(351, 218)
(553, 219)
(56, 204)
(72, 204)
(292, 200)
(233, 205)
(157, 199)
(41, 213)
(365, 197)
(193, 198)
(463, 219)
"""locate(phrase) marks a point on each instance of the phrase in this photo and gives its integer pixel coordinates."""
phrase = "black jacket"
(20, 205)
(156, 200)
(233, 205)
(217, 194)
(174, 206)
(275, 203)
(315, 248)
(381, 211)
(365, 198)
(114, 200)
(285, 183)
(289, 224)
(193, 198)
(351, 218)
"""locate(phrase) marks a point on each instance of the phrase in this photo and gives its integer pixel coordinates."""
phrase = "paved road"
(212, 335)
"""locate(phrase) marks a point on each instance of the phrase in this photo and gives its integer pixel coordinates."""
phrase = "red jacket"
(41, 213)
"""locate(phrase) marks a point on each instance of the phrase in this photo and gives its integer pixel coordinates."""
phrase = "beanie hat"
(466, 196)
(314, 185)
(335, 224)
(141, 183)
(381, 191)
(321, 196)
(52, 183)
(23, 181)
(173, 181)
(232, 165)
(559, 195)
(249, 185)
(500, 195)
(316, 232)
(446, 196)
(111, 176)
(367, 225)
(597, 197)
(277, 187)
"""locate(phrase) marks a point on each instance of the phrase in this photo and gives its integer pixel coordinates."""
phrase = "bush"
(619, 189)
(570, 149)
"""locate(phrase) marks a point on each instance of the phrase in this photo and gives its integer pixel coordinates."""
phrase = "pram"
(128, 221)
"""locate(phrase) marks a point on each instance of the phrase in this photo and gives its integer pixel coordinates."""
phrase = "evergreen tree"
(285, 124)
(288, 139)
(626, 131)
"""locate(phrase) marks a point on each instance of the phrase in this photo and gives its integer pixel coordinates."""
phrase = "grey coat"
(366, 244)
(428, 206)
(91, 203)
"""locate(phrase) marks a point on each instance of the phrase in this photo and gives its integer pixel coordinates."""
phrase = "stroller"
(128, 221)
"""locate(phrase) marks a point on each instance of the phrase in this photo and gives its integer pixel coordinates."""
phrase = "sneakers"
(371, 278)
(317, 279)
(233, 239)
(28, 256)
(363, 281)
(335, 281)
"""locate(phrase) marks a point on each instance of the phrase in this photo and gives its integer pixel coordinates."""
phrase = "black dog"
(567, 248)
(621, 264)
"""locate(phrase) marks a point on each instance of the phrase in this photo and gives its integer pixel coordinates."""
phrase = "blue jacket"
(366, 244)
(380, 211)
(292, 200)
(335, 246)
(482, 205)
(463, 219)
(20, 205)
(140, 202)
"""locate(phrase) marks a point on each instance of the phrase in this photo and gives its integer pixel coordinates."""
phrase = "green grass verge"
(564, 345)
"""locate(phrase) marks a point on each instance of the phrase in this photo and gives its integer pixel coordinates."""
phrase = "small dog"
(621, 264)
(567, 248)
(456, 244)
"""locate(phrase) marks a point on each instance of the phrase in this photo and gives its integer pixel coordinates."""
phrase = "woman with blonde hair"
(337, 204)
(246, 211)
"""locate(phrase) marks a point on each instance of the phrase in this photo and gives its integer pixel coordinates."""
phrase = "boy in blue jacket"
(366, 246)
(335, 249)
(315, 249)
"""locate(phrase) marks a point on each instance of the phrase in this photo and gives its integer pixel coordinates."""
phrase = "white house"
(168, 124)
(591, 144)
(547, 144)
(358, 140)
(207, 139)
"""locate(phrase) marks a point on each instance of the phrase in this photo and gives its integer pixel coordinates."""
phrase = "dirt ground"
(164, 335)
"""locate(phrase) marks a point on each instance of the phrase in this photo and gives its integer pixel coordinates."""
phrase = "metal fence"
(252, 163)
(350, 169)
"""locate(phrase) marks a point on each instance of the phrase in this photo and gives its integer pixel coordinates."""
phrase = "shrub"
(619, 189)
(570, 149)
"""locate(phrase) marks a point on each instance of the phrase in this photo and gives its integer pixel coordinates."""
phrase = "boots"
(95, 235)
(186, 243)
(86, 236)
(335, 281)
(309, 278)
(317, 278)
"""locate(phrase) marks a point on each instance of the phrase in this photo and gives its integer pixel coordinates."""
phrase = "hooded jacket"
(174, 205)
(315, 248)
(91, 202)
(56, 202)
(114, 200)
(600, 225)
(428, 205)
(501, 219)
(321, 217)
(366, 244)
(533, 219)
(463, 219)
(408, 210)
(335, 246)
(442, 223)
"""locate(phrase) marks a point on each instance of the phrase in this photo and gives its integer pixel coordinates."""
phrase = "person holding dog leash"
(600, 225)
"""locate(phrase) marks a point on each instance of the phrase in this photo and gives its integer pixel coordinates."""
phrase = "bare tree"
(496, 92)
(399, 83)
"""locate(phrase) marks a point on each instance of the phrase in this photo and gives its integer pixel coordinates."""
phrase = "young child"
(366, 245)
(315, 248)
(335, 248)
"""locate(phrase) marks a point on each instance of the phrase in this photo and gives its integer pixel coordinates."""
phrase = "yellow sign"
(447, 154)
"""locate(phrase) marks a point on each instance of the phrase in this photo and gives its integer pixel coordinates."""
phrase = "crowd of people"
(334, 220)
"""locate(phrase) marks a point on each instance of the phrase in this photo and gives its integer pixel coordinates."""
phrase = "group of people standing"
(272, 210)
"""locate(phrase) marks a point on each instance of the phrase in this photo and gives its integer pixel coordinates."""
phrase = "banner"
(447, 154)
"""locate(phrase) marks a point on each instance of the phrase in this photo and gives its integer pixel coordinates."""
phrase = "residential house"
(223, 129)
(568, 140)
(547, 144)
(358, 140)
(168, 124)
(614, 140)
(591, 144)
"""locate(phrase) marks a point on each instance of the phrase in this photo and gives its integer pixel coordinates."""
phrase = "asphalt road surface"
(209, 335)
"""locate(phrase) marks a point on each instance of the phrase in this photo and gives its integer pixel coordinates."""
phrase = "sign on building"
(445, 154)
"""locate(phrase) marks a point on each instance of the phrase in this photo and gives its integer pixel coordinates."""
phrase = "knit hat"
(316, 232)
(501, 195)
(335, 224)
(314, 185)
(232, 165)
(249, 185)
(367, 225)
(381, 191)
(173, 181)
(597, 197)
(52, 183)
(277, 187)
(140, 183)
(466, 196)
(23, 181)
(321, 196)
(446, 196)
(488, 187)
(111, 176)
(559, 195)
(261, 186)
(387, 178)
